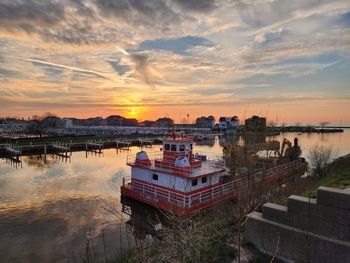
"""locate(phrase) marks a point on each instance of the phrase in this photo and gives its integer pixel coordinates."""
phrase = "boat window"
(194, 182)
(173, 147)
(155, 177)
(182, 148)
(204, 180)
(166, 147)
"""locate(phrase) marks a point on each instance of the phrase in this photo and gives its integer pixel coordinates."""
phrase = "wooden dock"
(62, 149)
(94, 146)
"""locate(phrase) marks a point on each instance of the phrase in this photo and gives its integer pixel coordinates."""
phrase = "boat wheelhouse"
(177, 179)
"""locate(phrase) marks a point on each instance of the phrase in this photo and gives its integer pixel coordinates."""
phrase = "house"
(130, 122)
(114, 120)
(228, 123)
(67, 122)
(147, 123)
(164, 122)
(205, 122)
(255, 123)
(96, 121)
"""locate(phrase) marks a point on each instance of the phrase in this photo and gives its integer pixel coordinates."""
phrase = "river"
(50, 208)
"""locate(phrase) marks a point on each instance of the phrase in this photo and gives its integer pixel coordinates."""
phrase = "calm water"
(47, 208)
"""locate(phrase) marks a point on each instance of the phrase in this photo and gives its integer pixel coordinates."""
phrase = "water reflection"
(339, 142)
(16, 163)
(40, 162)
(55, 230)
(144, 219)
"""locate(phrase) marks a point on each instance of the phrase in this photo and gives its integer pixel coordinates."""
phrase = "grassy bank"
(338, 176)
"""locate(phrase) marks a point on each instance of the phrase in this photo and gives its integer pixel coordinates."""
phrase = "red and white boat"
(176, 180)
(179, 181)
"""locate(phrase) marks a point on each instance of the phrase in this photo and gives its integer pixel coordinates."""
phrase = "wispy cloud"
(38, 62)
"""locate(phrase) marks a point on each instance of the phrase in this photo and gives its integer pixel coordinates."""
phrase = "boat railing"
(210, 156)
(220, 190)
(156, 161)
(158, 156)
(130, 159)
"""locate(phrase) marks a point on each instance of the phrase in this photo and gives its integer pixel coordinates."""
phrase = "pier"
(13, 155)
(62, 149)
(145, 142)
(123, 143)
(14, 151)
(94, 146)
(66, 148)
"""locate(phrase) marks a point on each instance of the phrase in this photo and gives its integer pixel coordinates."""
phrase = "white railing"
(183, 200)
(131, 159)
(157, 161)
(211, 156)
(158, 155)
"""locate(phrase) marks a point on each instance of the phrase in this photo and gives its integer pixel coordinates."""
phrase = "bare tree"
(320, 157)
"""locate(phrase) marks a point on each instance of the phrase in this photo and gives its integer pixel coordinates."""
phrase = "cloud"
(30, 15)
(155, 13)
(45, 12)
(177, 45)
(121, 69)
(41, 63)
(142, 68)
(269, 36)
(196, 5)
(8, 73)
(344, 19)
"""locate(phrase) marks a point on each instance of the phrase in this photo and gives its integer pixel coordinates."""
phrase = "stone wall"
(308, 230)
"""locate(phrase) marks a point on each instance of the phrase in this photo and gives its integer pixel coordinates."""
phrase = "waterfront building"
(205, 122)
(164, 122)
(255, 123)
(228, 123)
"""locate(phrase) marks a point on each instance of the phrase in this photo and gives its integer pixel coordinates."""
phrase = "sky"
(286, 60)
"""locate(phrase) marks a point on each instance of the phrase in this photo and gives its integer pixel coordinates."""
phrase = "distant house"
(228, 123)
(114, 120)
(147, 123)
(96, 121)
(255, 123)
(164, 122)
(51, 122)
(67, 122)
(205, 122)
(130, 122)
(13, 125)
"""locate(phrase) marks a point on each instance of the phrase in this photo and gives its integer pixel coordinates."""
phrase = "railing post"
(123, 181)
(212, 194)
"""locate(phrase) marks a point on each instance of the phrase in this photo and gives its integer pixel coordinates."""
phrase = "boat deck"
(212, 164)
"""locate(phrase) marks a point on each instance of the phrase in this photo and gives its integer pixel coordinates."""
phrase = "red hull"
(172, 208)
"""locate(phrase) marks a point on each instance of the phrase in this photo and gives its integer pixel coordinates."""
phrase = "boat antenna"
(174, 136)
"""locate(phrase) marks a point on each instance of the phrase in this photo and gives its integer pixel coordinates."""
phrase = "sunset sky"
(287, 60)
